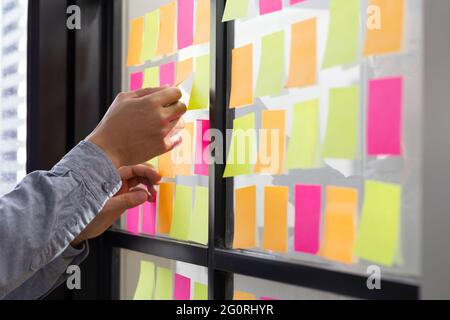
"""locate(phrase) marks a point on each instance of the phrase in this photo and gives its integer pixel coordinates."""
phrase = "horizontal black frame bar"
(346, 284)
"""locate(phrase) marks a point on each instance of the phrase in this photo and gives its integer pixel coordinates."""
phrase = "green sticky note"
(241, 156)
(151, 77)
(377, 238)
(198, 231)
(343, 33)
(341, 138)
(150, 41)
(200, 88)
(146, 282)
(179, 228)
(164, 284)
(303, 150)
(235, 9)
(200, 291)
(271, 68)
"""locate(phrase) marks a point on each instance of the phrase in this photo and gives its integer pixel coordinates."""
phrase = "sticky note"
(242, 149)
(235, 9)
(181, 218)
(135, 41)
(182, 287)
(201, 166)
(268, 6)
(166, 42)
(146, 282)
(340, 224)
(167, 165)
(272, 138)
(303, 61)
(133, 220)
(200, 88)
(267, 298)
(291, 2)
(384, 30)
(150, 41)
(184, 70)
(242, 77)
(200, 291)
(343, 29)
(198, 230)
(341, 136)
(185, 23)
(303, 148)
(384, 117)
(240, 295)
(275, 219)
(149, 218)
(203, 22)
(165, 206)
(183, 152)
(308, 206)
(271, 69)
(164, 284)
(136, 80)
(378, 233)
(167, 74)
(245, 218)
(154, 162)
(151, 77)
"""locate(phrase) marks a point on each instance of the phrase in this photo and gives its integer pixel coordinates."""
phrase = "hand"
(140, 125)
(129, 196)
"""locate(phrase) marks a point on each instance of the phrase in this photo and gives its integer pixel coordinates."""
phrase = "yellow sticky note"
(235, 9)
(271, 142)
(240, 295)
(203, 22)
(154, 163)
(135, 41)
(384, 27)
(340, 224)
(183, 153)
(146, 282)
(179, 227)
(378, 233)
(166, 42)
(151, 77)
(200, 88)
(303, 66)
(198, 231)
(165, 205)
(164, 284)
(167, 165)
(245, 218)
(184, 70)
(242, 77)
(151, 30)
(200, 291)
(275, 219)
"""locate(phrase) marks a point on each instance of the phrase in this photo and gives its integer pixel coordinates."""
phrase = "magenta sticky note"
(133, 220)
(295, 1)
(149, 218)
(201, 166)
(267, 298)
(136, 80)
(167, 74)
(384, 117)
(268, 6)
(185, 23)
(182, 288)
(308, 203)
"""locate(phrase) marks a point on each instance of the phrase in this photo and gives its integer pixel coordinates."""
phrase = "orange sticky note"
(385, 25)
(167, 165)
(165, 205)
(245, 218)
(271, 142)
(275, 219)
(183, 166)
(340, 224)
(240, 295)
(135, 41)
(203, 24)
(303, 66)
(184, 70)
(166, 42)
(242, 77)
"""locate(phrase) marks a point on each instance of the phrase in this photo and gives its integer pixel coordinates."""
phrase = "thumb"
(128, 200)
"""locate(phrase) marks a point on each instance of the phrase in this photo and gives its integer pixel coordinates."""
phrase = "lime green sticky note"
(198, 231)
(241, 156)
(151, 30)
(179, 228)
(303, 150)
(235, 9)
(200, 88)
(343, 33)
(377, 238)
(151, 77)
(164, 284)
(146, 282)
(200, 291)
(271, 68)
(341, 138)
(154, 162)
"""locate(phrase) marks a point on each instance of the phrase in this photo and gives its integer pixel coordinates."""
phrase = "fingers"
(175, 111)
(141, 170)
(117, 205)
(164, 97)
(146, 92)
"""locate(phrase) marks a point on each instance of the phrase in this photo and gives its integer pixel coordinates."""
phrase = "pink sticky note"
(268, 6)
(384, 118)
(149, 218)
(136, 80)
(267, 298)
(167, 74)
(182, 288)
(308, 203)
(185, 23)
(201, 145)
(295, 1)
(133, 220)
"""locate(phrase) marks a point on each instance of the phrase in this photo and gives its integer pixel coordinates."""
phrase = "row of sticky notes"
(236, 9)
(162, 31)
(376, 239)
(166, 285)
